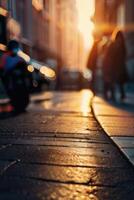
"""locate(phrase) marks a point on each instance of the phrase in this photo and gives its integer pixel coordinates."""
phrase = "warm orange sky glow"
(85, 11)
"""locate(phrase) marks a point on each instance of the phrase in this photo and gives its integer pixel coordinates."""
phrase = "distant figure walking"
(114, 67)
(14, 73)
(92, 63)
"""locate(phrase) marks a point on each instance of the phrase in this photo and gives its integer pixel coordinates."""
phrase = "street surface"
(58, 150)
(117, 119)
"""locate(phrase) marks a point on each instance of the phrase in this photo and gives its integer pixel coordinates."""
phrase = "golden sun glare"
(85, 25)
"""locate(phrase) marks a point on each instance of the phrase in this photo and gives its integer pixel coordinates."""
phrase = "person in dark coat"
(92, 63)
(115, 66)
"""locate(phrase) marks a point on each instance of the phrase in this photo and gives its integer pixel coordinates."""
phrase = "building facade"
(108, 14)
(47, 29)
(67, 33)
(53, 25)
(18, 22)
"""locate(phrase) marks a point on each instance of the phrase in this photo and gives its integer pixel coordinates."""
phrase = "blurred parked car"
(70, 80)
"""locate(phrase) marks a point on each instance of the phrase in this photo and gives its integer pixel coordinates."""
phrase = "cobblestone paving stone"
(62, 154)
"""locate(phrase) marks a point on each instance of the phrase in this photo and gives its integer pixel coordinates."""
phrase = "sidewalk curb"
(114, 140)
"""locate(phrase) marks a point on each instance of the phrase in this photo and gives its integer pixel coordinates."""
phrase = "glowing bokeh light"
(30, 68)
(49, 73)
(24, 56)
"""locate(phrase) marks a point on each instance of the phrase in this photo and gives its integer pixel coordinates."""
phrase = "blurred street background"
(72, 142)
(60, 34)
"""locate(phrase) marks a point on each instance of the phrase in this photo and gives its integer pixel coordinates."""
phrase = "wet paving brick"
(91, 135)
(57, 124)
(59, 157)
(119, 131)
(117, 126)
(78, 175)
(56, 142)
(105, 108)
(120, 122)
(52, 141)
(35, 189)
(110, 111)
(17, 150)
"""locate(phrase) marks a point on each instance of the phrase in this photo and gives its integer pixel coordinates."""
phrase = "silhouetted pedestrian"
(114, 70)
(92, 63)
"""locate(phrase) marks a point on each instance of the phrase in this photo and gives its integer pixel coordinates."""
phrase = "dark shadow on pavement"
(125, 105)
(7, 115)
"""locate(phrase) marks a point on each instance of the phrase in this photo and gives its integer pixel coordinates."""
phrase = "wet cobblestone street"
(57, 150)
